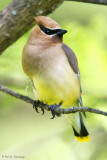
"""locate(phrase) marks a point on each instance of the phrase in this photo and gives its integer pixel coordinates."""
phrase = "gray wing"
(72, 59)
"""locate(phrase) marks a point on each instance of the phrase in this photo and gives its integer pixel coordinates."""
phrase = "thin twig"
(100, 2)
(57, 110)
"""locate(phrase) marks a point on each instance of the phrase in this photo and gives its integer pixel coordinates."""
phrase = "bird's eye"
(47, 31)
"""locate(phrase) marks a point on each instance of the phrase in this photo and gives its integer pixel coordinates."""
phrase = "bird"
(53, 68)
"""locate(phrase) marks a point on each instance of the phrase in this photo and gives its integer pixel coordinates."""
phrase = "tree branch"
(18, 17)
(57, 110)
(101, 2)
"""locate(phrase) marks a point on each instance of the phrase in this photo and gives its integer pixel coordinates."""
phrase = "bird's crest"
(47, 22)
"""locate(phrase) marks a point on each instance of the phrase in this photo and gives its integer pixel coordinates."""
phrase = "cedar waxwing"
(53, 68)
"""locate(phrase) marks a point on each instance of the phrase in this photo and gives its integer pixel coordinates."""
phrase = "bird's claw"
(53, 109)
(35, 106)
(37, 103)
(42, 111)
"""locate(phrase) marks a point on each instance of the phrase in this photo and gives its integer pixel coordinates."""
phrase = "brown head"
(45, 36)
(47, 31)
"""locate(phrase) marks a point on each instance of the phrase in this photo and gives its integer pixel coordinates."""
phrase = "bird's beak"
(61, 32)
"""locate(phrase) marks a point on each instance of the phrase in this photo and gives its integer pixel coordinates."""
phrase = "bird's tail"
(79, 128)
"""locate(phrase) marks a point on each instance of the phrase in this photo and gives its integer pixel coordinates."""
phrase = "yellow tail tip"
(83, 139)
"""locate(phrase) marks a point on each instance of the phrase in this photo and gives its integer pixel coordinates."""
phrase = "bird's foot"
(36, 104)
(53, 107)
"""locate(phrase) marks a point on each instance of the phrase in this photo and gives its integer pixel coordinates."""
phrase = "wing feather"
(72, 59)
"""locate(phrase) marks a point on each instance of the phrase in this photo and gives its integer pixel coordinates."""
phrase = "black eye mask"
(49, 31)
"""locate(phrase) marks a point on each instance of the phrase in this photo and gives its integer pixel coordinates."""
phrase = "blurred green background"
(26, 133)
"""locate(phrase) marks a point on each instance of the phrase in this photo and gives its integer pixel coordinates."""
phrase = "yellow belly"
(56, 88)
